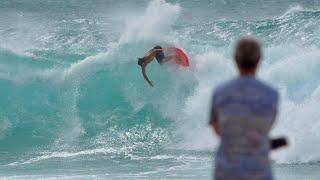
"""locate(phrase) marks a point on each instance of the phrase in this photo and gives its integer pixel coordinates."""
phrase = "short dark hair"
(157, 47)
(247, 53)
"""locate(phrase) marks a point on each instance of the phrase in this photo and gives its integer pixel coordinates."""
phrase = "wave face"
(71, 88)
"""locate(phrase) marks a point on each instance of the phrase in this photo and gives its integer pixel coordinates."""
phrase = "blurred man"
(242, 114)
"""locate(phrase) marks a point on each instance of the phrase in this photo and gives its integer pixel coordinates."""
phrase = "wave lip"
(153, 24)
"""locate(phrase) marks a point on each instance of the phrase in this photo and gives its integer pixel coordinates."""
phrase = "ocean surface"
(75, 106)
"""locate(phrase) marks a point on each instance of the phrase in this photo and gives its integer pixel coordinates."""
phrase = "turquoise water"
(74, 105)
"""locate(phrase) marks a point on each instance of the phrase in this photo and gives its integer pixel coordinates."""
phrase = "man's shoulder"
(225, 87)
(233, 85)
(264, 89)
(267, 88)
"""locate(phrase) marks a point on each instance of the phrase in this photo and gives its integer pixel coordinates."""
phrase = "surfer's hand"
(151, 83)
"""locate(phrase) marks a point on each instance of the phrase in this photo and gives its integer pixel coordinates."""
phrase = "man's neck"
(247, 72)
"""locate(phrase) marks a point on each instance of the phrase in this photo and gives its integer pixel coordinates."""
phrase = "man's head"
(247, 54)
(157, 47)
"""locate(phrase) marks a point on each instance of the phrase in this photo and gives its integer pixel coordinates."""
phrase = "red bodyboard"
(183, 60)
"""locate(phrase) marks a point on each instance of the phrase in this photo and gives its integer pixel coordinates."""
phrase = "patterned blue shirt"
(245, 109)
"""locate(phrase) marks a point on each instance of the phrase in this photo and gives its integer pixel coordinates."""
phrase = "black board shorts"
(159, 54)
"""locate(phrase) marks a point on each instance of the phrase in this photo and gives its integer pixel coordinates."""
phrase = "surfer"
(162, 55)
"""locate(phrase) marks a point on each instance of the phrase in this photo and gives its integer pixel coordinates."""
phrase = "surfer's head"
(140, 61)
(247, 54)
(157, 47)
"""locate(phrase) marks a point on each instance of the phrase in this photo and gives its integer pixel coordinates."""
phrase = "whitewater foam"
(102, 97)
(153, 24)
(65, 155)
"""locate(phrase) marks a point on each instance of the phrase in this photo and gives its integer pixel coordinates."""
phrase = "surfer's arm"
(143, 70)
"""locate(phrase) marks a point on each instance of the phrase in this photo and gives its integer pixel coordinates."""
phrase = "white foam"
(294, 74)
(153, 24)
(298, 116)
(291, 10)
(5, 127)
(209, 70)
(64, 155)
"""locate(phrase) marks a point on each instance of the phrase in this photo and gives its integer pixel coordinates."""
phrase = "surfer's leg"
(169, 58)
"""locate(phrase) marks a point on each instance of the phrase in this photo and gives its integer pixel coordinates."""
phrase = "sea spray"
(73, 96)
